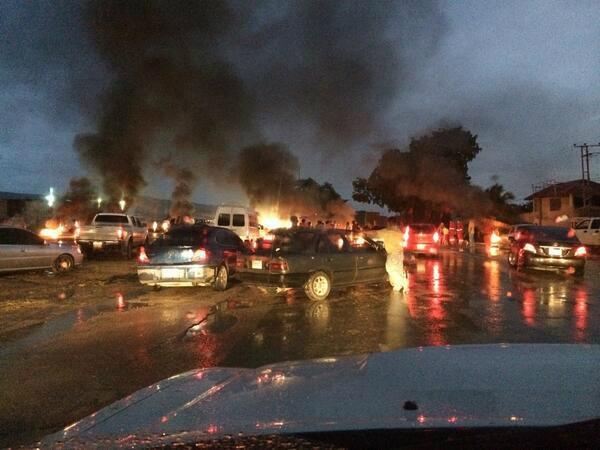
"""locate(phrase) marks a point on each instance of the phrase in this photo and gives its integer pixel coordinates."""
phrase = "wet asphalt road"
(127, 337)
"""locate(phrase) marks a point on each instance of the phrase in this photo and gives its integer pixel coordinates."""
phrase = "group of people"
(454, 233)
(323, 224)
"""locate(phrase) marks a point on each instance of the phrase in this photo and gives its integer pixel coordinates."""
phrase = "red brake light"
(142, 257)
(120, 233)
(436, 237)
(581, 251)
(200, 255)
(277, 265)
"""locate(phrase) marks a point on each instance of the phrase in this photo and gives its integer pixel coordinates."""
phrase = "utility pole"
(585, 168)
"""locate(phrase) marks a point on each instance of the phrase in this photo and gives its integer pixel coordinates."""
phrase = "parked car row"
(312, 259)
(316, 260)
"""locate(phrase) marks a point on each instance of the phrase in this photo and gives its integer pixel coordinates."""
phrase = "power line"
(585, 168)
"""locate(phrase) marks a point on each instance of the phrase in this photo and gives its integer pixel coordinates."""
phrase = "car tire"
(221, 278)
(63, 263)
(318, 286)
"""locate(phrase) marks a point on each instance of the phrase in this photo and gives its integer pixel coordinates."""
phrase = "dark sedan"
(549, 248)
(316, 260)
(196, 255)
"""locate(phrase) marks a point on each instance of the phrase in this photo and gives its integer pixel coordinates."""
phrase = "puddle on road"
(70, 320)
(218, 319)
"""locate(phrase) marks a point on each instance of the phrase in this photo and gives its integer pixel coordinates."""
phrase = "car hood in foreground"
(432, 387)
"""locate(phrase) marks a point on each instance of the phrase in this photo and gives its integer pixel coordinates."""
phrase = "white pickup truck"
(587, 230)
(111, 231)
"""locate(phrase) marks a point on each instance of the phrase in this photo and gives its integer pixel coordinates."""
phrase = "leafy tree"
(427, 181)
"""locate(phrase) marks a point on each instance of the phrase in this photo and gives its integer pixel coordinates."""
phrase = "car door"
(12, 255)
(583, 231)
(235, 250)
(335, 257)
(370, 261)
(39, 254)
(228, 247)
(595, 232)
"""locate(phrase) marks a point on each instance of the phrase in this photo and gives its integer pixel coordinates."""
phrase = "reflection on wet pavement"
(458, 298)
(142, 336)
(71, 320)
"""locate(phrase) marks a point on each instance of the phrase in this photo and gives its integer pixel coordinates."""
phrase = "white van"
(240, 219)
(587, 230)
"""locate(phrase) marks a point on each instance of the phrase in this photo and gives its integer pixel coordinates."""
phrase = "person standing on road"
(294, 221)
(471, 230)
(392, 238)
(440, 231)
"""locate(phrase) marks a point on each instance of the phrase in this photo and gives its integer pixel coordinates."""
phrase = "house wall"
(544, 216)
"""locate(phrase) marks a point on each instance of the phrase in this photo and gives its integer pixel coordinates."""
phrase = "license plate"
(420, 246)
(97, 244)
(171, 274)
(257, 264)
(555, 251)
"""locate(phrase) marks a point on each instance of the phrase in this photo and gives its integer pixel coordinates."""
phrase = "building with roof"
(557, 200)
(14, 203)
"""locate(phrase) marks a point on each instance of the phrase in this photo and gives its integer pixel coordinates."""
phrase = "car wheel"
(512, 259)
(63, 263)
(318, 286)
(221, 278)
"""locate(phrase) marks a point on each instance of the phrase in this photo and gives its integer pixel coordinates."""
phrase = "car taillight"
(200, 255)
(436, 237)
(142, 257)
(121, 233)
(581, 251)
(529, 248)
(278, 266)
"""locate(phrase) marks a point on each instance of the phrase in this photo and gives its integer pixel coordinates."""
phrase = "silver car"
(23, 250)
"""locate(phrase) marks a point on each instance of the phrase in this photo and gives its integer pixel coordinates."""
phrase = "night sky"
(523, 76)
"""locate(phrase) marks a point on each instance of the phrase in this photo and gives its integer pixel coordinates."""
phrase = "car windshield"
(285, 242)
(422, 228)
(552, 234)
(245, 217)
(109, 218)
(184, 236)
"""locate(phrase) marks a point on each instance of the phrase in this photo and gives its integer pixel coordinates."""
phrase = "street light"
(99, 200)
(50, 198)
(122, 204)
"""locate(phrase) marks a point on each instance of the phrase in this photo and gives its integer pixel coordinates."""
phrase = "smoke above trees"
(201, 80)
(428, 180)
(267, 172)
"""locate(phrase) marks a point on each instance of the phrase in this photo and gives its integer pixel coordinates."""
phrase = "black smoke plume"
(79, 202)
(267, 172)
(185, 182)
(203, 79)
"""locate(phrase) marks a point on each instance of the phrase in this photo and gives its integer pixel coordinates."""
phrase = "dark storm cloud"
(326, 78)
(201, 78)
